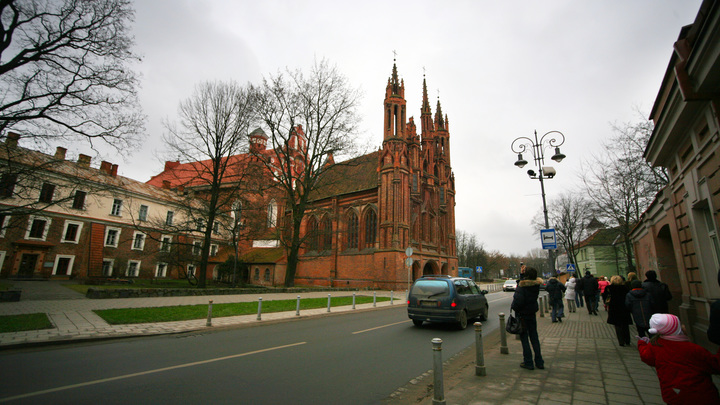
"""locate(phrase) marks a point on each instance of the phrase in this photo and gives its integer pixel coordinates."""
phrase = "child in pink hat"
(683, 368)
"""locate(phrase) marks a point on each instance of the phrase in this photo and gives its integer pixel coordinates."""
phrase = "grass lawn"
(139, 283)
(19, 323)
(188, 312)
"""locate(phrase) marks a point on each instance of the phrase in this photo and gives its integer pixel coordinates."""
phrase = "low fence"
(103, 293)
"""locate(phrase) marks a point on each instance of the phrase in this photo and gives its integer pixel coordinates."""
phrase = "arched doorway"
(416, 270)
(667, 266)
(431, 267)
(445, 269)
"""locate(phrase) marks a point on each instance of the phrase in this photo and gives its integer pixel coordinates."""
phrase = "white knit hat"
(665, 324)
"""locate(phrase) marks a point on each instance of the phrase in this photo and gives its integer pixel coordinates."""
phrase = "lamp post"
(552, 139)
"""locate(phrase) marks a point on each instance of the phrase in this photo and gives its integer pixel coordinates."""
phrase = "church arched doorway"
(416, 270)
(431, 267)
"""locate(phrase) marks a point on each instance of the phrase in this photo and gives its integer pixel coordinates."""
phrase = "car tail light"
(408, 302)
(453, 304)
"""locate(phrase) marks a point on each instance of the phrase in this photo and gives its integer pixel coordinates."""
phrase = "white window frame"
(137, 234)
(32, 219)
(77, 235)
(191, 269)
(157, 269)
(143, 214)
(112, 267)
(130, 263)
(197, 248)
(116, 209)
(272, 214)
(216, 228)
(4, 227)
(70, 265)
(2, 258)
(213, 249)
(117, 237)
(165, 246)
(169, 218)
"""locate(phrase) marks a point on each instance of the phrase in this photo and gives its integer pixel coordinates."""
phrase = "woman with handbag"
(525, 305)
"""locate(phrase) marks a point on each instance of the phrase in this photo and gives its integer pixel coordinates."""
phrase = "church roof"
(347, 177)
(602, 237)
(263, 255)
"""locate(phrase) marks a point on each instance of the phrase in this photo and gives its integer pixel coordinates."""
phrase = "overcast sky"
(502, 69)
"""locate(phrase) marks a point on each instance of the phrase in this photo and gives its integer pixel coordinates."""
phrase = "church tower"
(394, 169)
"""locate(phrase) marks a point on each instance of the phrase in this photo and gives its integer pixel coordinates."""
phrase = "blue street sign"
(547, 236)
(478, 269)
(570, 268)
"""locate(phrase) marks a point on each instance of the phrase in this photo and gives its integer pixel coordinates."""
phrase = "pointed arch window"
(326, 233)
(370, 228)
(272, 214)
(352, 224)
(312, 233)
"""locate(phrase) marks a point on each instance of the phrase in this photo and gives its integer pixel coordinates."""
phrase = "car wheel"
(417, 322)
(462, 322)
(484, 316)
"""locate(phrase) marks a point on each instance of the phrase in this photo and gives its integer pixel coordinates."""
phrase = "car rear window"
(430, 287)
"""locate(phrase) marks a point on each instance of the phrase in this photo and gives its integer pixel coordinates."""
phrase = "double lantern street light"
(552, 139)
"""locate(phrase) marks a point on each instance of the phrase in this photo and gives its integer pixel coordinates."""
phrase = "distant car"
(543, 286)
(510, 285)
(446, 299)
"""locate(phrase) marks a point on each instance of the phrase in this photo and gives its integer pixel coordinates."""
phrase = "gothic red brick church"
(366, 211)
(376, 206)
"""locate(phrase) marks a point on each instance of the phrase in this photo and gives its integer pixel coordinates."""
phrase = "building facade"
(678, 234)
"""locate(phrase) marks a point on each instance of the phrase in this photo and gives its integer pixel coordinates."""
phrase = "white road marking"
(380, 327)
(159, 370)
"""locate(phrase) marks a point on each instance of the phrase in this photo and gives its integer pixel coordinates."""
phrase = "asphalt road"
(356, 358)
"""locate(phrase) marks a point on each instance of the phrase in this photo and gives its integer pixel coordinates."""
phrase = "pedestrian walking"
(555, 290)
(618, 314)
(589, 288)
(639, 303)
(525, 305)
(659, 291)
(602, 284)
(570, 295)
(684, 368)
(630, 277)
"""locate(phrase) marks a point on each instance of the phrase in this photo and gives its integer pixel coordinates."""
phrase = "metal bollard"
(479, 355)
(374, 298)
(503, 335)
(542, 308)
(547, 303)
(328, 303)
(439, 390)
(297, 307)
(353, 300)
(209, 319)
(259, 317)
(391, 298)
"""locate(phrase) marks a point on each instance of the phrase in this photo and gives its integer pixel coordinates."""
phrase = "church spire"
(439, 121)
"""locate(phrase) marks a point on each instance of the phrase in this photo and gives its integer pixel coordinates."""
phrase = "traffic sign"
(478, 269)
(408, 252)
(570, 268)
(409, 261)
(547, 236)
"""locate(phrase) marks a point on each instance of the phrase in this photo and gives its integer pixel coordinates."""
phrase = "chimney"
(171, 165)
(83, 160)
(12, 139)
(60, 153)
(166, 184)
(113, 170)
(105, 167)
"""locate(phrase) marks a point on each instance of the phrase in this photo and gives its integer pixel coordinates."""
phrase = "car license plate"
(428, 303)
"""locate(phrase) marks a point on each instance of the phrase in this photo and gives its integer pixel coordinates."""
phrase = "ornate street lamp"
(552, 139)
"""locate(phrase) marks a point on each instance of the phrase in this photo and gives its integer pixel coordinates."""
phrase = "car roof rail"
(435, 276)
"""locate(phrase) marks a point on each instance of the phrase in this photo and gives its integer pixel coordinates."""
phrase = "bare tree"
(621, 183)
(569, 215)
(309, 117)
(65, 71)
(212, 136)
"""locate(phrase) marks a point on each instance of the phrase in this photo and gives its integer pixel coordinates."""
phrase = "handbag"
(513, 325)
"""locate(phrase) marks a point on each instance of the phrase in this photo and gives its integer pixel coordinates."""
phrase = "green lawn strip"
(19, 323)
(188, 312)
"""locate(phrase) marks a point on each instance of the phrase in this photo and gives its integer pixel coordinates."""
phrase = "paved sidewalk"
(584, 364)
(74, 320)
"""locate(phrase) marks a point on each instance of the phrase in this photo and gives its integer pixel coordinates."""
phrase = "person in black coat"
(525, 305)
(589, 289)
(618, 314)
(713, 331)
(639, 303)
(659, 291)
(555, 290)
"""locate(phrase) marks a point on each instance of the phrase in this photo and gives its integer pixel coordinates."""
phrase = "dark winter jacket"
(525, 299)
(618, 314)
(589, 285)
(660, 294)
(639, 303)
(555, 290)
(713, 331)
